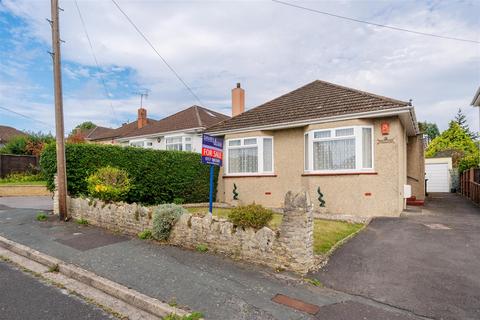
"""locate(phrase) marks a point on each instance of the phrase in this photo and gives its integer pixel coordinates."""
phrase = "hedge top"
(157, 176)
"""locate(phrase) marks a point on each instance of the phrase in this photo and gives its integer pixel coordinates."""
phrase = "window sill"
(250, 176)
(356, 173)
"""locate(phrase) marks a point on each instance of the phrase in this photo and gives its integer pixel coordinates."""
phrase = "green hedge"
(157, 176)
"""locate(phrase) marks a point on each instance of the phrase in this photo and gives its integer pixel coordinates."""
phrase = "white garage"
(437, 171)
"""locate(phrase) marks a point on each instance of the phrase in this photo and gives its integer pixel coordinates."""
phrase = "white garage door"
(438, 177)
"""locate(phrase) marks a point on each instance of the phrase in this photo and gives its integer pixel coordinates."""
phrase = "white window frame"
(184, 142)
(259, 145)
(357, 134)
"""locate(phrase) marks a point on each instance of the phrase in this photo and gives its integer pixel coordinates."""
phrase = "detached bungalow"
(362, 150)
(181, 131)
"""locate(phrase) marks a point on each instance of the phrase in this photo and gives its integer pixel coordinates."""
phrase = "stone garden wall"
(291, 247)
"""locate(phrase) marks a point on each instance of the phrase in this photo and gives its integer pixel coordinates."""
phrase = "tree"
(456, 140)
(78, 134)
(32, 144)
(461, 119)
(430, 129)
(87, 125)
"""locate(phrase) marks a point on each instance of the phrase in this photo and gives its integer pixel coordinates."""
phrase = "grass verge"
(23, 183)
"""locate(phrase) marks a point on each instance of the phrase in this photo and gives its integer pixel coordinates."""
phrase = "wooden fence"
(470, 184)
(10, 163)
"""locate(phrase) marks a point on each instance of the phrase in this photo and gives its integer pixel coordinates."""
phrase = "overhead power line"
(102, 79)
(26, 117)
(375, 24)
(158, 54)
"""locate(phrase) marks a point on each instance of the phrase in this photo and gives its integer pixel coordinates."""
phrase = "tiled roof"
(102, 133)
(193, 117)
(7, 133)
(316, 100)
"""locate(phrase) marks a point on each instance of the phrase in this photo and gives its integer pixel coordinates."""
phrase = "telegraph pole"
(59, 126)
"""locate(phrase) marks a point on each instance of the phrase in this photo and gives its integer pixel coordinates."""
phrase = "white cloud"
(268, 47)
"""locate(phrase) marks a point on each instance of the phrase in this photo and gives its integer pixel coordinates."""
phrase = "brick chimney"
(238, 100)
(142, 118)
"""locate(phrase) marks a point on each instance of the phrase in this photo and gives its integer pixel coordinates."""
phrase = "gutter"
(301, 123)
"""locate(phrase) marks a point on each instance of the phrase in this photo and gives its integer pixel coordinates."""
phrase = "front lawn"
(326, 233)
(23, 183)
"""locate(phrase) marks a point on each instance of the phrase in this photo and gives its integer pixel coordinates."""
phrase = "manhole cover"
(296, 304)
(437, 226)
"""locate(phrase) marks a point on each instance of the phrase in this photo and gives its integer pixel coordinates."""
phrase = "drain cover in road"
(437, 226)
(296, 304)
(91, 240)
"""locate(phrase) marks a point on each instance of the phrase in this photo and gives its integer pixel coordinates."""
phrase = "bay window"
(339, 149)
(253, 155)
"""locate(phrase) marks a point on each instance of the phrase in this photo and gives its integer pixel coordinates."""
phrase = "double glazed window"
(251, 155)
(339, 149)
(179, 143)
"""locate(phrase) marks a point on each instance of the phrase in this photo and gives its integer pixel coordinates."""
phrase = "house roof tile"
(316, 100)
(190, 118)
(7, 133)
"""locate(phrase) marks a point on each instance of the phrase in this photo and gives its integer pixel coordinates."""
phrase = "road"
(25, 297)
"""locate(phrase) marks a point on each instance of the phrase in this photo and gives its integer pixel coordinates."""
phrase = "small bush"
(145, 234)
(82, 221)
(253, 216)
(164, 218)
(201, 248)
(191, 316)
(109, 184)
(41, 216)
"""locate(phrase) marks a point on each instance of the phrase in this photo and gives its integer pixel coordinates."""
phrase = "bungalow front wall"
(365, 177)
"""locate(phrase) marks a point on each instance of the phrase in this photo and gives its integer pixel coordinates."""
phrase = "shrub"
(201, 247)
(82, 221)
(253, 216)
(158, 176)
(41, 216)
(145, 234)
(164, 218)
(191, 316)
(109, 184)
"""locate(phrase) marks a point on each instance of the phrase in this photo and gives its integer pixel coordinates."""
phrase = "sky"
(268, 47)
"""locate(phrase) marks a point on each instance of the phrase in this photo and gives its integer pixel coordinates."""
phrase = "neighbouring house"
(363, 151)
(7, 133)
(180, 131)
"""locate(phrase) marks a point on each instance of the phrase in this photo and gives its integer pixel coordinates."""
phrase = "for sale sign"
(212, 150)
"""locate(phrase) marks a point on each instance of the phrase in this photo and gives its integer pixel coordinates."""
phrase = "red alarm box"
(385, 128)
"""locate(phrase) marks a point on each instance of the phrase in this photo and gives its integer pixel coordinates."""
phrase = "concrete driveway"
(426, 263)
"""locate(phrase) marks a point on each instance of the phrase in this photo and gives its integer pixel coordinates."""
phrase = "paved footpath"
(22, 297)
(214, 285)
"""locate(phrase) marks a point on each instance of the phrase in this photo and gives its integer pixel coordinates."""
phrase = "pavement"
(428, 263)
(24, 297)
(215, 285)
(37, 202)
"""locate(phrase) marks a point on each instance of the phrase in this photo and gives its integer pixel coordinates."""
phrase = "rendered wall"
(378, 194)
(416, 166)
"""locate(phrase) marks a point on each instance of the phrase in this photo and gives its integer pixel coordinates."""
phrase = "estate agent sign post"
(212, 154)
